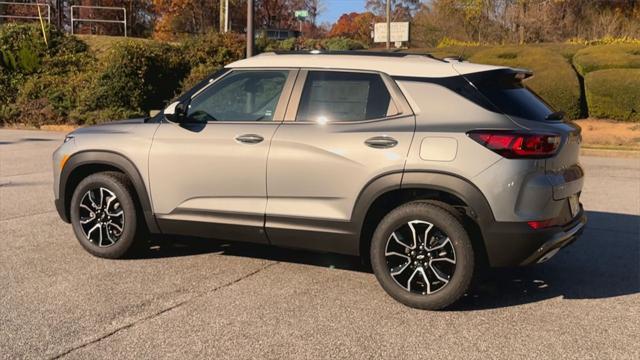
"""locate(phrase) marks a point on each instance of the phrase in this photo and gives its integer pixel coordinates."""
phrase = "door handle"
(381, 142)
(249, 139)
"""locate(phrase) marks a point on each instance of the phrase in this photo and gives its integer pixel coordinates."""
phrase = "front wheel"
(422, 256)
(104, 216)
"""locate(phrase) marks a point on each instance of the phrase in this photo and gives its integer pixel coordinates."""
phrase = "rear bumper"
(515, 244)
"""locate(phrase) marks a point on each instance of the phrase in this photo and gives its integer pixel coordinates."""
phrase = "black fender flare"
(427, 180)
(478, 207)
(113, 159)
(462, 188)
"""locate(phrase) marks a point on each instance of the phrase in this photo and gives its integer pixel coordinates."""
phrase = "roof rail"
(342, 52)
(395, 54)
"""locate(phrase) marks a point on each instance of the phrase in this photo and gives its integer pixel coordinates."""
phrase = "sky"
(333, 9)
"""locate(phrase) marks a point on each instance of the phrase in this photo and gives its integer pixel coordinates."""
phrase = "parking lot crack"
(163, 311)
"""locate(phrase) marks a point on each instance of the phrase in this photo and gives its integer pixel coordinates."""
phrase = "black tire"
(130, 238)
(460, 250)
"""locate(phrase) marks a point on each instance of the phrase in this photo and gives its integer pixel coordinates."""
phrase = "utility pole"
(221, 16)
(58, 11)
(249, 28)
(226, 16)
(388, 24)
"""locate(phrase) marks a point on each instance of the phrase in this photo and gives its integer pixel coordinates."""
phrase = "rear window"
(511, 97)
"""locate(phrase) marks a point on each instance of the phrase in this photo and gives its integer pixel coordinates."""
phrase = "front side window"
(240, 96)
(330, 96)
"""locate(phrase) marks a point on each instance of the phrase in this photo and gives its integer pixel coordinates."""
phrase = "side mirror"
(176, 112)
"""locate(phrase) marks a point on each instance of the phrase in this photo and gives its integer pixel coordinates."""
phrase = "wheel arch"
(451, 191)
(85, 163)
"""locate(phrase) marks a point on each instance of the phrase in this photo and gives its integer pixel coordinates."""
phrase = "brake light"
(515, 145)
(535, 225)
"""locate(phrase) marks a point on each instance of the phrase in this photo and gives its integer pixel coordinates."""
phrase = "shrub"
(615, 56)
(213, 49)
(448, 42)
(198, 74)
(49, 98)
(614, 94)
(331, 44)
(288, 44)
(8, 112)
(21, 46)
(341, 43)
(36, 86)
(554, 78)
(608, 40)
(9, 82)
(86, 117)
(310, 44)
(137, 77)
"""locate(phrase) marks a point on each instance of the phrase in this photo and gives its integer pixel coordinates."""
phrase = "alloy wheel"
(420, 257)
(101, 217)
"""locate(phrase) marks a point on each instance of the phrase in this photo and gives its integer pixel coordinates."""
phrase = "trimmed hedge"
(567, 50)
(614, 56)
(614, 94)
(464, 52)
(553, 79)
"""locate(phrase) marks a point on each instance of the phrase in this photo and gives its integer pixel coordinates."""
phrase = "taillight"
(535, 225)
(515, 145)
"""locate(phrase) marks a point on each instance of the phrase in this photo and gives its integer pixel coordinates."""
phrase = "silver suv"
(428, 168)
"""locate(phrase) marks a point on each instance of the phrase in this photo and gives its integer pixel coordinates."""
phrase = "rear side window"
(511, 97)
(330, 96)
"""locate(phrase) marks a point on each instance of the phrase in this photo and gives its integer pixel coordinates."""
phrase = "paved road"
(217, 300)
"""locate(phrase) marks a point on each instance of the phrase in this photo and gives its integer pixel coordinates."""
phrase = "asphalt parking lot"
(191, 298)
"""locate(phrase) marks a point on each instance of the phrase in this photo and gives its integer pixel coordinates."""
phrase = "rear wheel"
(422, 256)
(104, 215)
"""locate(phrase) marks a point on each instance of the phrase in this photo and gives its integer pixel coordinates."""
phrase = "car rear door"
(342, 130)
(207, 176)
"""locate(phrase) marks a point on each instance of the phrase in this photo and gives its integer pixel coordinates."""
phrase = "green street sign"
(302, 14)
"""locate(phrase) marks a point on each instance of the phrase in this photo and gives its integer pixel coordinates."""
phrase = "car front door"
(342, 130)
(207, 173)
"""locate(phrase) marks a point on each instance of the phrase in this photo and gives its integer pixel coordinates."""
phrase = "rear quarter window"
(510, 96)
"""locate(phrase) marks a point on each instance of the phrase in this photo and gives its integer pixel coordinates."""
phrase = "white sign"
(399, 32)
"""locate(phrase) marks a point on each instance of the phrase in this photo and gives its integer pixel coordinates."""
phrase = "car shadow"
(23, 140)
(603, 263)
(176, 246)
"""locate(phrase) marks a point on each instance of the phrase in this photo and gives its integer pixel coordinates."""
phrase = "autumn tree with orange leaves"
(355, 25)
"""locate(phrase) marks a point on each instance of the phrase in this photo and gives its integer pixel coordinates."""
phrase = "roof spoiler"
(522, 74)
